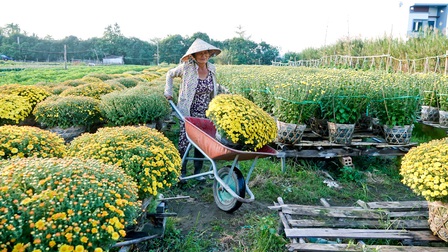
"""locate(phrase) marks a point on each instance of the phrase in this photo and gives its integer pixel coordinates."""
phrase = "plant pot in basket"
(429, 113)
(398, 134)
(443, 118)
(289, 133)
(340, 133)
(424, 169)
(438, 219)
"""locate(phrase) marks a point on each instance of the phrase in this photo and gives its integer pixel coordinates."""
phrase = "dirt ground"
(199, 212)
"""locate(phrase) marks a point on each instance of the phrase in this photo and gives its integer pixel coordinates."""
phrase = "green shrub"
(64, 205)
(27, 141)
(94, 90)
(65, 112)
(73, 83)
(101, 76)
(144, 153)
(129, 82)
(139, 105)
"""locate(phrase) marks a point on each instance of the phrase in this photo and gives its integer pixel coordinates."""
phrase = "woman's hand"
(169, 97)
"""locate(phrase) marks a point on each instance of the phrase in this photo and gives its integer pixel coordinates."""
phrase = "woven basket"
(398, 134)
(443, 118)
(289, 133)
(340, 133)
(438, 219)
(430, 114)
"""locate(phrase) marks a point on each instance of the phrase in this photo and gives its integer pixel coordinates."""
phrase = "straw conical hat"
(200, 45)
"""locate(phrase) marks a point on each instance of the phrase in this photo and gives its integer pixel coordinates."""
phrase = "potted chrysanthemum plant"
(425, 170)
(241, 122)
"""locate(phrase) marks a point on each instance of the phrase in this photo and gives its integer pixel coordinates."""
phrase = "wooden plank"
(337, 212)
(348, 233)
(399, 205)
(423, 214)
(392, 234)
(356, 248)
(347, 223)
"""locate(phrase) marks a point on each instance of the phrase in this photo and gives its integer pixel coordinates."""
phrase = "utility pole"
(65, 57)
(157, 54)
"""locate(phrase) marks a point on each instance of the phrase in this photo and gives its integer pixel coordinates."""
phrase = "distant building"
(113, 60)
(427, 16)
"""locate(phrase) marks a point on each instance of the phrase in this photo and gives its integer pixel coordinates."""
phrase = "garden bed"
(336, 228)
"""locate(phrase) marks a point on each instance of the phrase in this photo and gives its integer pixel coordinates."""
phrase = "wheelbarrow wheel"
(224, 200)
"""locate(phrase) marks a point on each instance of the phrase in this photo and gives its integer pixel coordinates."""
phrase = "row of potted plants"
(300, 95)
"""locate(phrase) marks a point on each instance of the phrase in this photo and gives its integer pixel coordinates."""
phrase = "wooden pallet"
(335, 228)
(364, 143)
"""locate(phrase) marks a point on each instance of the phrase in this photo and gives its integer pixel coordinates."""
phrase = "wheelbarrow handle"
(177, 110)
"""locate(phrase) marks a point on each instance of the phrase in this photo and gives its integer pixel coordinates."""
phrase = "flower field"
(43, 201)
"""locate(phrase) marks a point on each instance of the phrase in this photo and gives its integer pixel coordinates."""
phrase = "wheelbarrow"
(229, 185)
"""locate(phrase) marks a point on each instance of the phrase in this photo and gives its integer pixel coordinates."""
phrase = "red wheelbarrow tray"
(202, 132)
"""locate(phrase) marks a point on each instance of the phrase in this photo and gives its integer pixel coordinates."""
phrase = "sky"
(290, 25)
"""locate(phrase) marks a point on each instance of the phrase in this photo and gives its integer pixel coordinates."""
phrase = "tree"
(172, 49)
(11, 29)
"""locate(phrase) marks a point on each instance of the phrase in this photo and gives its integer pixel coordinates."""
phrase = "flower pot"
(289, 133)
(430, 114)
(398, 134)
(438, 219)
(443, 118)
(340, 133)
(227, 142)
(319, 126)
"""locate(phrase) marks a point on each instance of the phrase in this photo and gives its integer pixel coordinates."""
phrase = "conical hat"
(200, 45)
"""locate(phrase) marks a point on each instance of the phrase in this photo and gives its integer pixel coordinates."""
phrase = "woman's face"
(201, 57)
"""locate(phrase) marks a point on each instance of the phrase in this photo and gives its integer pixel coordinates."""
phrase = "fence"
(435, 64)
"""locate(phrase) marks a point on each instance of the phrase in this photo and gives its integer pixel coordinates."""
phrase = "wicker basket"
(289, 133)
(443, 118)
(438, 219)
(430, 114)
(398, 134)
(340, 133)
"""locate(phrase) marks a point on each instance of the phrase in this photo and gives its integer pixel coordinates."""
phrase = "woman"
(197, 89)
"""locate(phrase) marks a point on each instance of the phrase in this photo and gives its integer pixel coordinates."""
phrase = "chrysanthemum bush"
(145, 154)
(425, 170)
(138, 105)
(242, 121)
(64, 204)
(68, 111)
(94, 90)
(17, 102)
(13, 109)
(28, 141)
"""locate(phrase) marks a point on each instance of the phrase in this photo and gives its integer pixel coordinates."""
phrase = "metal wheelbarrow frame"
(229, 186)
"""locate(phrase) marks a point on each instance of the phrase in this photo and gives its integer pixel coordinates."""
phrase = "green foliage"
(430, 98)
(68, 111)
(129, 82)
(101, 76)
(94, 90)
(139, 105)
(264, 236)
(61, 204)
(145, 154)
(343, 108)
(27, 141)
(350, 174)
